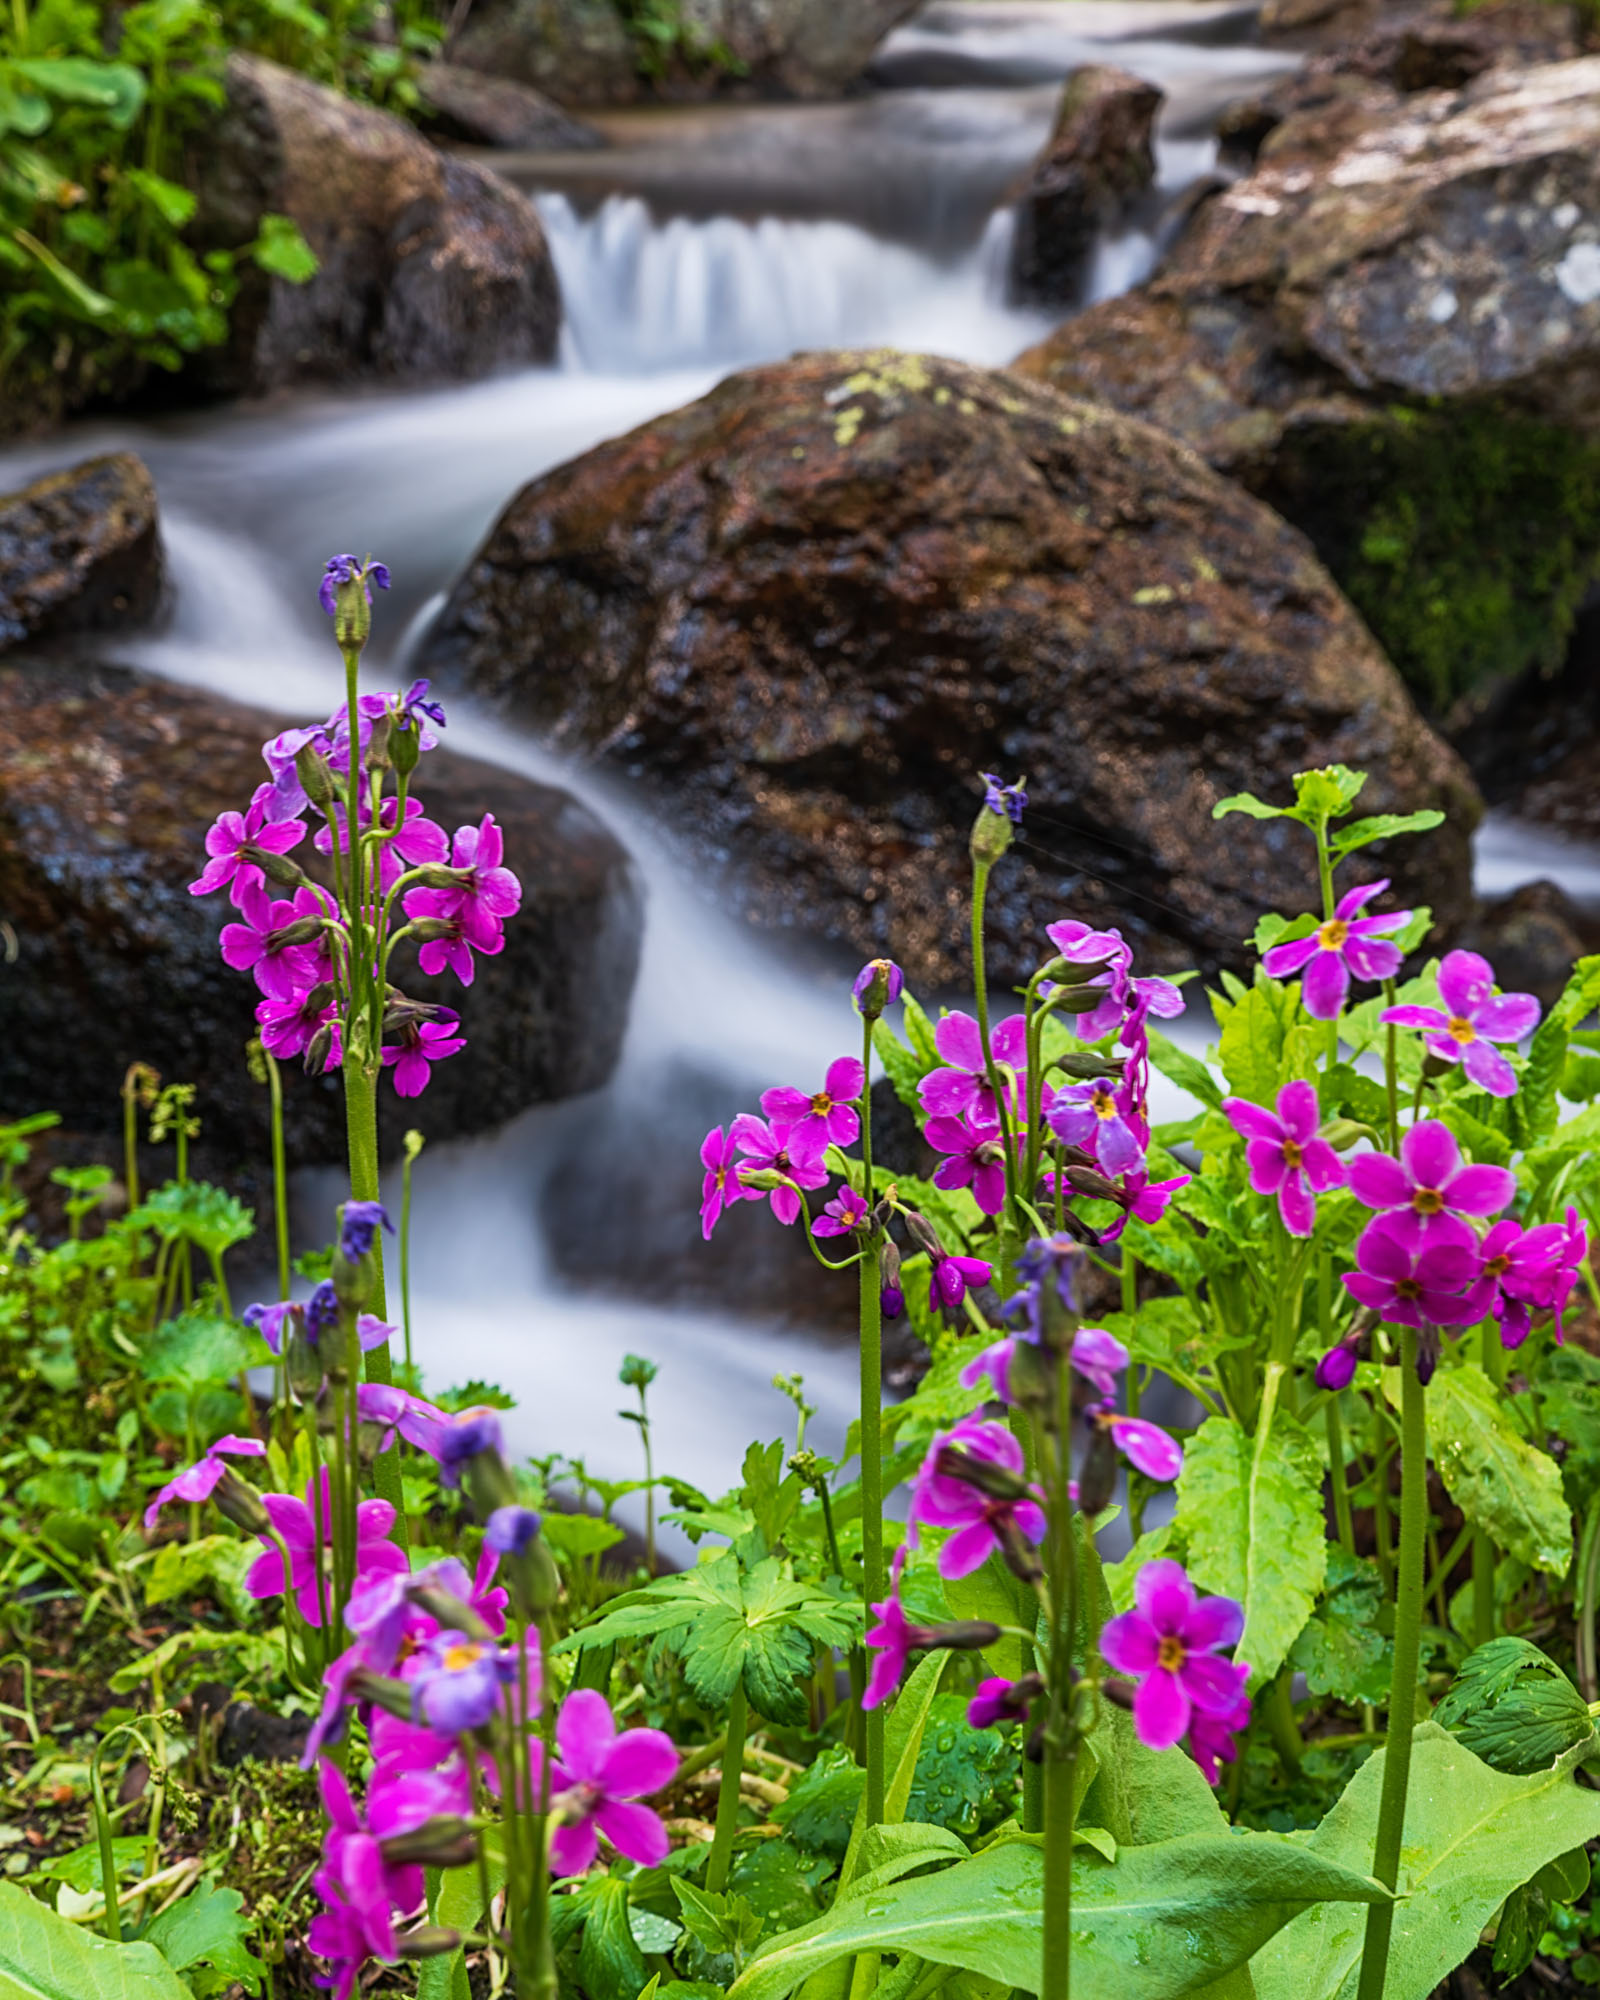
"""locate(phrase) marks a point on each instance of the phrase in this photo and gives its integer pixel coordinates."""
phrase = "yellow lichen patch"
(847, 424)
(1070, 426)
(1205, 569)
(1155, 593)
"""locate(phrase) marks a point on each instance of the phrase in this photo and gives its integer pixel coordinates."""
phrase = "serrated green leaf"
(199, 1349)
(609, 1959)
(577, 1535)
(1471, 1836)
(180, 1568)
(900, 1065)
(115, 88)
(1248, 803)
(208, 1927)
(1252, 1043)
(1251, 1513)
(1513, 1707)
(43, 1957)
(1382, 826)
(1161, 1922)
(1536, 1107)
(1499, 1481)
(1341, 1651)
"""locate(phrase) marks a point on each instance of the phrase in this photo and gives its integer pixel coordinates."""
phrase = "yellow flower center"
(462, 1654)
(1291, 1153)
(1427, 1201)
(1105, 1105)
(1496, 1267)
(822, 1104)
(1462, 1031)
(1170, 1653)
(1408, 1288)
(1331, 936)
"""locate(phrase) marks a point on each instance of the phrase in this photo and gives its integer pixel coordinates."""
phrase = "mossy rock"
(1465, 538)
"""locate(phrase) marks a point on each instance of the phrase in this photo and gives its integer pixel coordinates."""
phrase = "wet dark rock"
(805, 611)
(1539, 750)
(1100, 156)
(80, 550)
(1391, 331)
(1532, 938)
(576, 51)
(481, 110)
(431, 267)
(108, 781)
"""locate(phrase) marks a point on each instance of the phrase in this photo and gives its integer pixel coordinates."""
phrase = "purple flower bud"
(1003, 798)
(359, 1222)
(878, 984)
(464, 1438)
(322, 1310)
(892, 1302)
(998, 1700)
(509, 1530)
(1336, 1370)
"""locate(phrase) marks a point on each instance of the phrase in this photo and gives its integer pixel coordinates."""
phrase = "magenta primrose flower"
(1473, 1019)
(1144, 1200)
(417, 843)
(982, 1522)
(1145, 1446)
(783, 1149)
(399, 1414)
(288, 1027)
(457, 1682)
(229, 838)
(962, 1089)
(1211, 1736)
(1416, 1281)
(294, 1522)
(950, 1278)
(345, 569)
(1534, 1270)
(720, 1189)
(891, 1641)
(1169, 1643)
(420, 1045)
(1346, 947)
(1285, 1156)
(829, 1113)
(257, 944)
(1080, 944)
(199, 1481)
(846, 1213)
(975, 1158)
(876, 969)
(596, 1783)
(1430, 1182)
(1098, 1118)
(1099, 1357)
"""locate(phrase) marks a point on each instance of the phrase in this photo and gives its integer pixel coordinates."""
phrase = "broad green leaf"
(1514, 1708)
(282, 252)
(900, 1065)
(609, 1959)
(1162, 1921)
(1499, 1481)
(1535, 1108)
(1341, 1650)
(1251, 1513)
(1253, 1045)
(1122, 1576)
(920, 1032)
(1248, 803)
(199, 1349)
(208, 1927)
(180, 1568)
(902, 1745)
(992, 1593)
(1471, 1836)
(577, 1535)
(1144, 1796)
(43, 1957)
(180, 1646)
(1183, 1069)
(174, 204)
(1382, 826)
(114, 88)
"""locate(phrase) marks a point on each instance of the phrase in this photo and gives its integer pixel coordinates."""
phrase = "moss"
(1466, 539)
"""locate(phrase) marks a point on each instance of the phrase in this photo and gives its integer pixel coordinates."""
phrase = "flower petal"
(1130, 1643)
(1416, 1017)
(573, 1848)
(1379, 1181)
(1164, 1594)
(1214, 1624)
(1466, 980)
(1322, 1166)
(1161, 1710)
(640, 1761)
(1324, 987)
(1211, 1684)
(1297, 1205)
(968, 1549)
(1508, 1017)
(1430, 1155)
(1489, 1070)
(1283, 959)
(585, 1735)
(634, 1831)
(1297, 1107)
(1252, 1121)
(1481, 1190)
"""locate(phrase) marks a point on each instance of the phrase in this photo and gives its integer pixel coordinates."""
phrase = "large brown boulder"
(79, 550)
(481, 110)
(807, 610)
(430, 267)
(1098, 158)
(1391, 331)
(108, 782)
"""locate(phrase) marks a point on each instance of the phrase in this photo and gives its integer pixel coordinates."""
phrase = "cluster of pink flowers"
(298, 947)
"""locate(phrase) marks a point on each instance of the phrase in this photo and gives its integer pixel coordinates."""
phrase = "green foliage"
(1471, 1836)
(43, 1957)
(1513, 1707)
(1502, 1484)
(203, 1935)
(1342, 1650)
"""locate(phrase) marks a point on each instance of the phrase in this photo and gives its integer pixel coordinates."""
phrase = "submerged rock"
(807, 610)
(1391, 330)
(465, 104)
(1099, 157)
(108, 781)
(79, 550)
(430, 267)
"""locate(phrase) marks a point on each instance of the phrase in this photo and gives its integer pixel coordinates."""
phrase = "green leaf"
(208, 1926)
(900, 1065)
(282, 252)
(1471, 1836)
(578, 1535)
(179, 1646)
(1183, 1069)
(1341, 1651)
(823, 1802)
(174, 204)
(1253, 1043)
(1248, 803)
(178, 1569)
(1382, 826)
(1499, 1481)
(1514, 1708)
(115, 88)
(43, 1957)
(197, 1350)
(1162, 1921)
(609, 1959)
(772, 1496)
(1536, 1106)
(81, 1870)
(1251, 1513)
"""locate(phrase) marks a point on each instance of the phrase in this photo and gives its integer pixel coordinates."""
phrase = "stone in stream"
(807, 610)
(80, 550)
(583, 52)
(1099, 157)
(481, 110)
(1391, 331)
(430, 267)
(108, 782)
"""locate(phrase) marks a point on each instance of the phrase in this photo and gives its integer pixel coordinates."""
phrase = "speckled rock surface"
(1097, 159)
(108, 781)
(805, 611)
(482, 110)
(431, 267)
(79, 550)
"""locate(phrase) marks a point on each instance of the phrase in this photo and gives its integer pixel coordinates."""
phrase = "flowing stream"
(702, 240)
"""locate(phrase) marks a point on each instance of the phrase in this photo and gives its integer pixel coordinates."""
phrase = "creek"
(700, 241)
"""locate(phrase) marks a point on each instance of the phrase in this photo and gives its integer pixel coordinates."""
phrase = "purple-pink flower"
(982, 1521)
(596, 1782)
(1346, 947)
(844, 1215)
(962, 1090)
(1417, 1281)
(881, 976)
(199, 1481)
(829, 1113)
(1169, 1643)
(1144, 1200)
(1100, 1119)
(1534, 1270)
(975, 1158)
(720, 1189)
(258, 945)
(1146, 1446)
(418, 842)
(1430, 1182)
(289, 1027)
(232, 834)
(950, 1278)
(1099, 1357)
(1473, 1019)
(1080, 944)
(782, 1149)
(420, 1044)
(1337, 1368)
(297, 1528)
(1285, 1156)
(1211, 1737)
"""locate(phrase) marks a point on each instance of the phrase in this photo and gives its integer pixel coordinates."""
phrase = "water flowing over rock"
(582, 52)
(1098, 158)
(1391, 330)
(431, 267)
(807, 610)
(79, 550)
(108, 781)
(465, 104)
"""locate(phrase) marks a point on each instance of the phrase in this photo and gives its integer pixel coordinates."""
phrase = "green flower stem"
(361, 1129)
(1588, 1587)
(1483, 1549)
(1061, 1731)
(111, 1922)
(872, 1574)
(280, 1171)
(1338, 1476)
(1325, 878)
(980, 987)
(1407, 1645)
(728, 1792)
(1278, 1710)
(413, 1146)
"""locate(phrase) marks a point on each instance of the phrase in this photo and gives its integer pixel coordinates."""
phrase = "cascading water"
(880, 221)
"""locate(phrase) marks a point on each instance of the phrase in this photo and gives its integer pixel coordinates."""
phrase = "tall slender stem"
(413, 1146)
(728, 1793)
(1338, 1479)
(1061, 1732)
(872, 1578)
(1403, 1688)
(280, 1172)
(361, 1129)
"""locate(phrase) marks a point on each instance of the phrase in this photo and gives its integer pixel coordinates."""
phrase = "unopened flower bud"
(1342, 1133)
(392, 1696)
(997, 821)
(405, 745)
(966, 1635)
(1434, 1066)
(1068, 972)
(1120, 1693)
(451, 1611)
(1097, 1475)
(1086, 1181)
(983, 1473)
(378, 758)
(440, 875)
(239, 1502)
(923, 1230)
(277, 868)
(1088, 1068)
(1073, 1000)
(428, 1941)
(763, 1178)
(445, 1842)
(490, 1481)
(318, 1050)
(433, 930)
(305, 1369)
(1030, 1376)
(352, 1280)
(878, 984)
(304, 930)
(315, 777)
